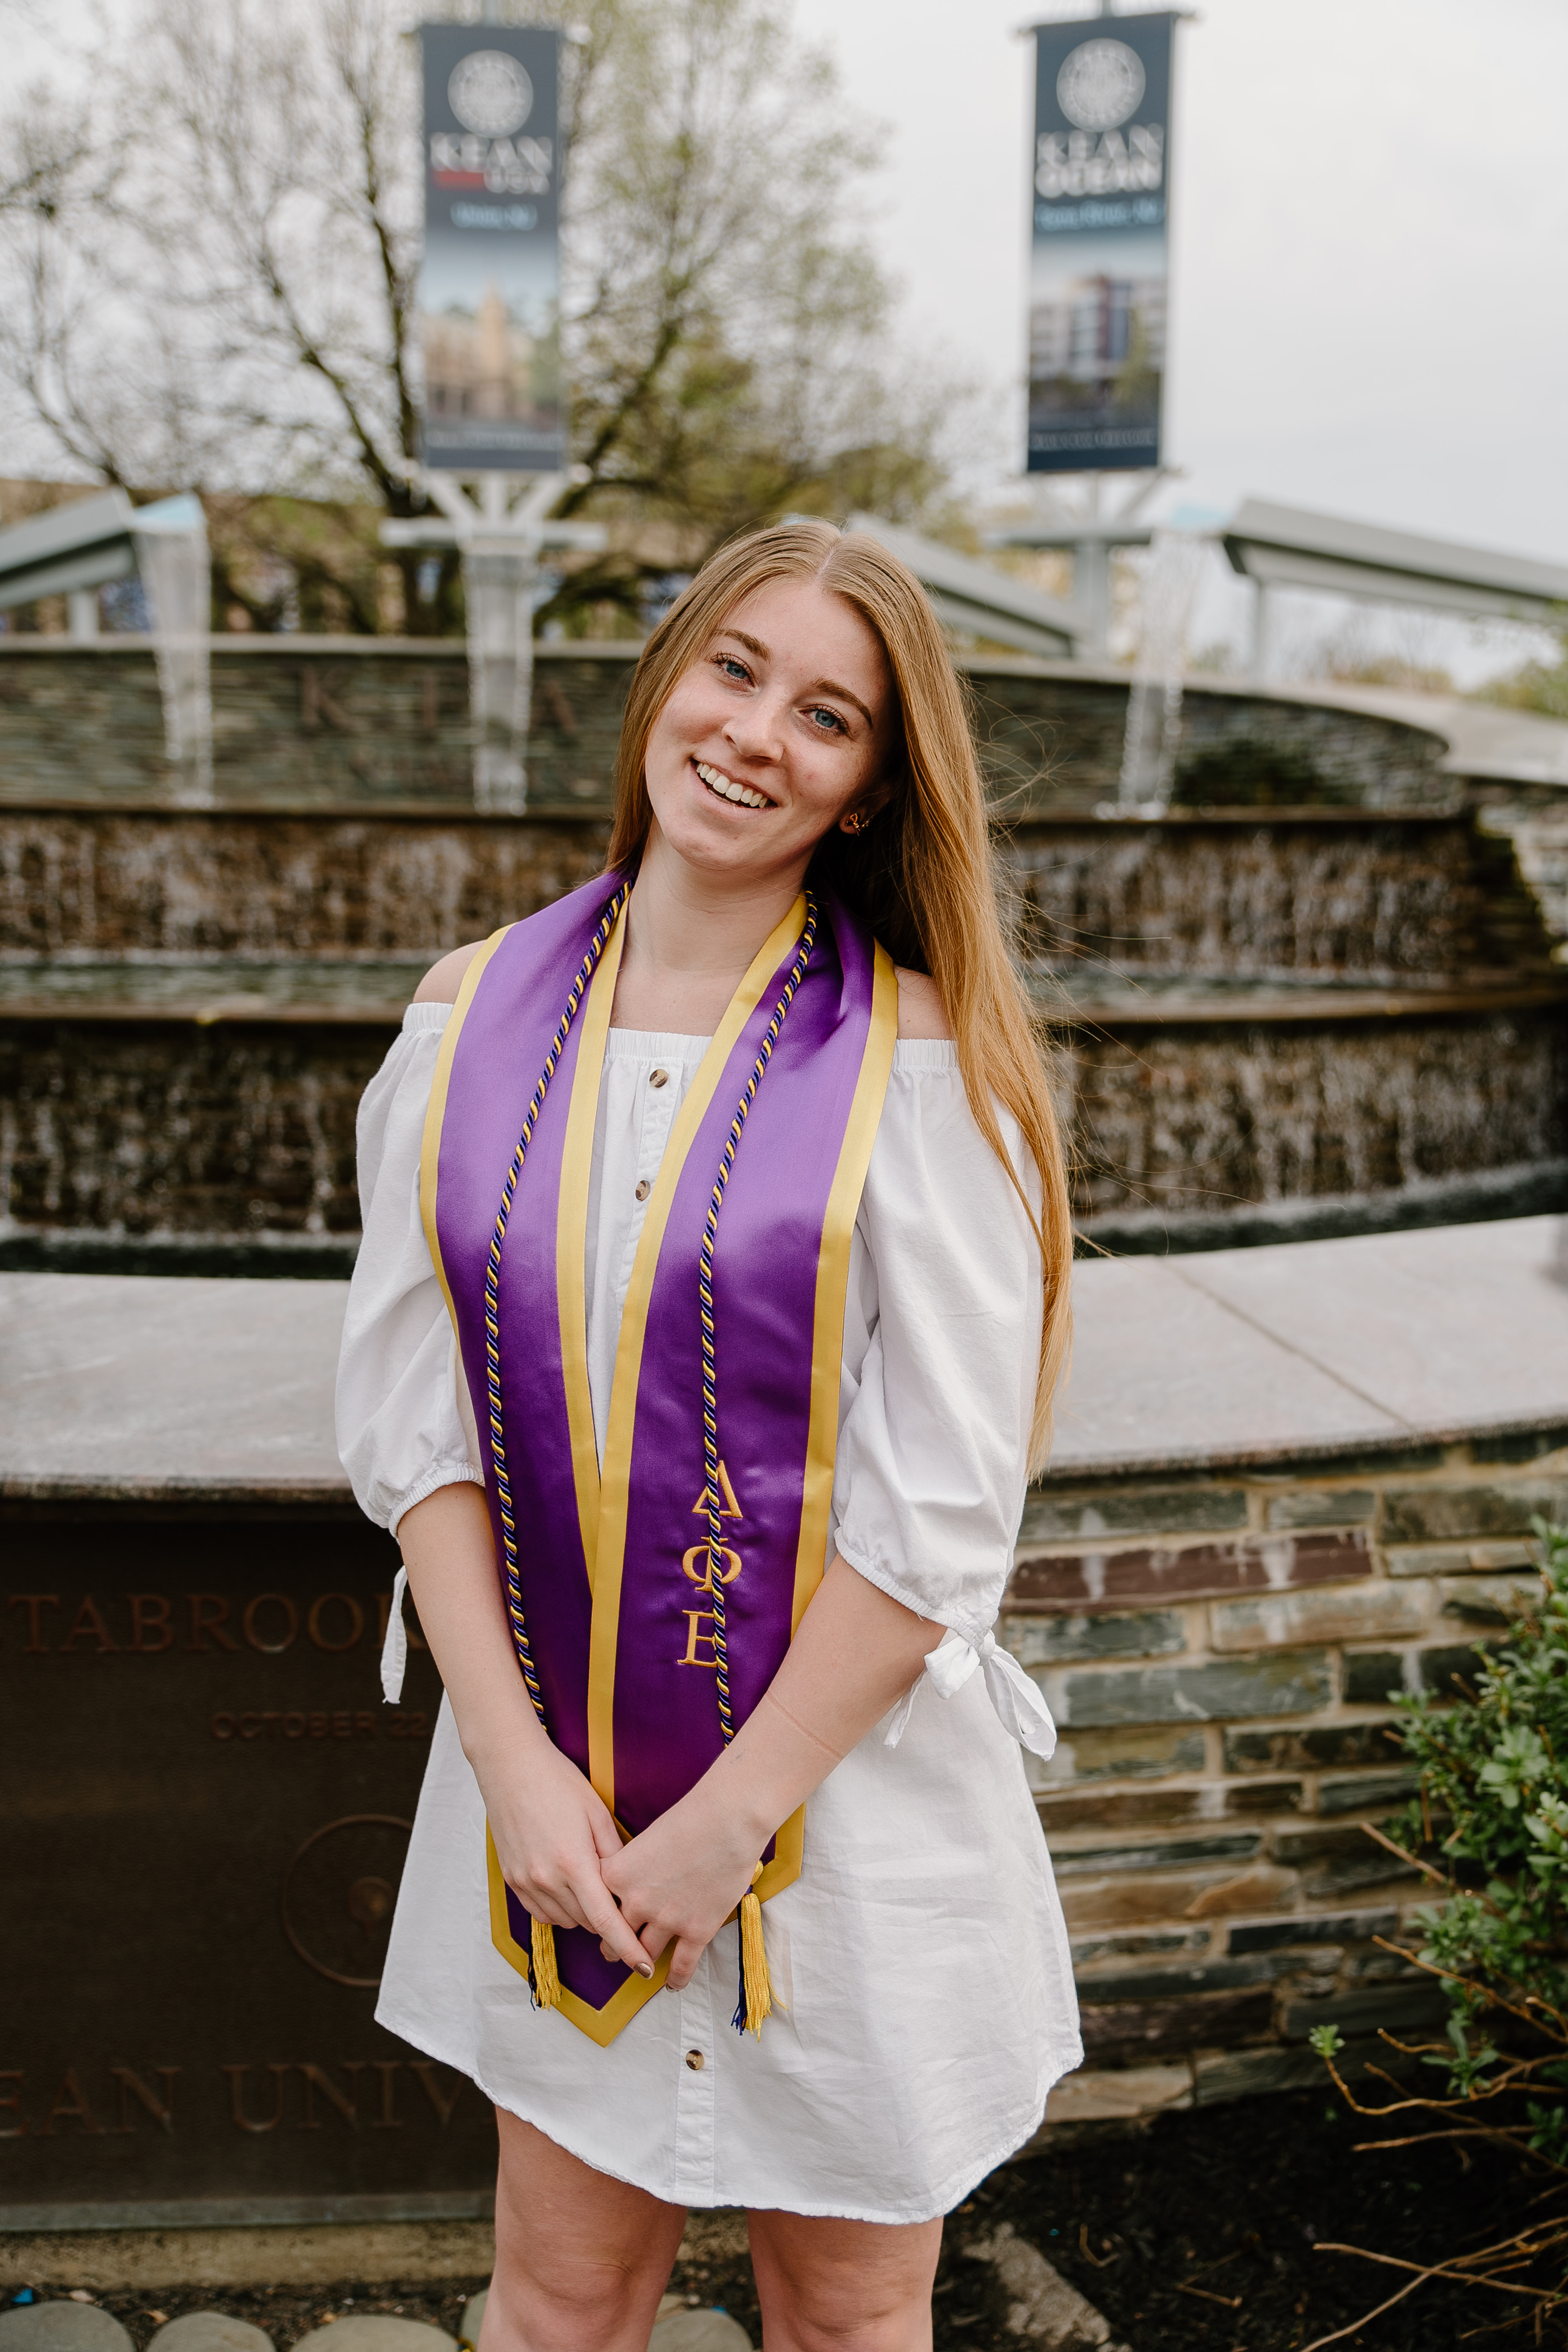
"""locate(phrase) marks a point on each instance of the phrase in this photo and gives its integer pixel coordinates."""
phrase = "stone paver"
(63, 2326)
(373, 2331)
(1455, 1326)
(157, 1384)
(1163, 1375)
(698, 2331)
(119, 1384)
(1045, 2309)
(678, 2328)
(209, 2331)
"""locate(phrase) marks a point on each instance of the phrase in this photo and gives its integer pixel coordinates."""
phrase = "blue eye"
(833, 721)
(731, 668)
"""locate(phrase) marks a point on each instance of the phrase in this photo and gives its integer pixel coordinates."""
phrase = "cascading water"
(1170, 588)
(171, 540)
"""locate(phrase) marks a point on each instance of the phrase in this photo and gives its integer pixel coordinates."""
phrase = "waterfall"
(170, 541)
(1169, 587)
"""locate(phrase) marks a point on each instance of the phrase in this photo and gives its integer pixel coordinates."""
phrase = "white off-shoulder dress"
(920, 1958)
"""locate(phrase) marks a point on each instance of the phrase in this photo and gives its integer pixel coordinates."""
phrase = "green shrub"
(1490, 1827)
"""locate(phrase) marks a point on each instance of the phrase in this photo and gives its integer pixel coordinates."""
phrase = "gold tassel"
(541, 1951)
(756, 1985)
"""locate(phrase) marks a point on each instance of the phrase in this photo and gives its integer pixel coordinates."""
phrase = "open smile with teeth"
(728, 789)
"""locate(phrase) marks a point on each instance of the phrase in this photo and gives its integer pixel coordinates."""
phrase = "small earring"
(856, 822)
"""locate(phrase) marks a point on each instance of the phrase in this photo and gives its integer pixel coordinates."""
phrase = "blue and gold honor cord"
(756, 2002)
(543, 1981)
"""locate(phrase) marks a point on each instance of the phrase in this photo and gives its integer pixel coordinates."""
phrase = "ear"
(858, 816)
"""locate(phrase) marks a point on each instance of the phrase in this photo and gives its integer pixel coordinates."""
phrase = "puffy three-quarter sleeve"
(400, 1428)
(945, 1298)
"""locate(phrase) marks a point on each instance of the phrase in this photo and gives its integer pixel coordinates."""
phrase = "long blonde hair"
(920, 875)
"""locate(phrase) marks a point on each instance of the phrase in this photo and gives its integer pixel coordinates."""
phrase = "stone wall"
(229, 1120)
(1287, 1484)
(105, 886)
(1218, 1650)
(1335, 1008)
(1324, 898)
(1332, 898)
(300, 720)
(1179, 1117)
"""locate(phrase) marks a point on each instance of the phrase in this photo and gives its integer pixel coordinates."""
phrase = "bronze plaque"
(206, 1808)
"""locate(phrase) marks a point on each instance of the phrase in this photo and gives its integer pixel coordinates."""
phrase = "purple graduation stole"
(723, 1417)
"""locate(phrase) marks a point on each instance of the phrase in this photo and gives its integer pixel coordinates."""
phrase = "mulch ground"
(1199, 2234)
(1202, 2235)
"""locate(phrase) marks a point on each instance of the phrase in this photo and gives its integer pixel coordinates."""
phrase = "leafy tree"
(223, 292)
(1536, 684)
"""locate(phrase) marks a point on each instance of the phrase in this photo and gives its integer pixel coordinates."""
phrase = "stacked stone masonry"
(298, 720)
(1312, 994)
(1220, 1650)
(1335, 1008)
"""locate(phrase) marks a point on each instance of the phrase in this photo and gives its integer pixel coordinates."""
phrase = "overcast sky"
(1369, 233)
(1370, 238)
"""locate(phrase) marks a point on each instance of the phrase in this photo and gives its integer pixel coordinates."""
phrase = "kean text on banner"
(1098, 272)
(490, 283)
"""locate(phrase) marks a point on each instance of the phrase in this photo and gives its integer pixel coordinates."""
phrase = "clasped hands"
(561, 1854)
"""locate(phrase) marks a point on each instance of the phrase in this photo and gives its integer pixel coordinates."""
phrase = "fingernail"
(644, 1968)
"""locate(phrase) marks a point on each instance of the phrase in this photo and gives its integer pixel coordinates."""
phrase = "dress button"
(658, 1078)
(694, 2059)
(644, 1189)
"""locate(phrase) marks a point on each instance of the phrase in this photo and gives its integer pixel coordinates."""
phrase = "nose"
(756, 728)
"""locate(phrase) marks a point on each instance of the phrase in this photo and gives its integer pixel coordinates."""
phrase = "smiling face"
(784, 724)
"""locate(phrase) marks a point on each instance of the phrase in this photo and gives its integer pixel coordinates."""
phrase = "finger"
(605, 1952)
(607, 1836)
(555, 1904)
(550, 1908)
(683, 1963)
(616, 1933)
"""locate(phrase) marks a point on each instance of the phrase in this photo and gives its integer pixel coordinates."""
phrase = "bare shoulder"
(442, 981)
(922, 1012)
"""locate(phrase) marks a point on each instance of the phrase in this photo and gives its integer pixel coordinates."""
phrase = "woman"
(726, 1191)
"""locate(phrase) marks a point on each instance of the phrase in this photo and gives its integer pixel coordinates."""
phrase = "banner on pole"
(1098, 270)
(488, 297)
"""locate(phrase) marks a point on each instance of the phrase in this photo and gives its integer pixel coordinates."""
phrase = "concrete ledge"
(119, 1387)
(311, 2254)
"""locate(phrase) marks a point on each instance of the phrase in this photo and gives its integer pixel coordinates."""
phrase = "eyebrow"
(818, 685)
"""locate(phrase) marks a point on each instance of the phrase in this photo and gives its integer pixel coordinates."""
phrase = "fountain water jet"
(1169, 587)
(170, 542)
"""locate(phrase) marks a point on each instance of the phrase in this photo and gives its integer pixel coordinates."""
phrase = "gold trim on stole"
(571, 1238)
(827, 1347)
(435, 1118)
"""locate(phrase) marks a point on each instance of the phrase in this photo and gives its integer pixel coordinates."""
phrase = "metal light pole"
(1089, 536)
(501, 545)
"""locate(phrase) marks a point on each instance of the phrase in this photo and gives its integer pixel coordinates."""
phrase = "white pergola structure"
(975, 597)
(75, 550)
(1291, 547)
